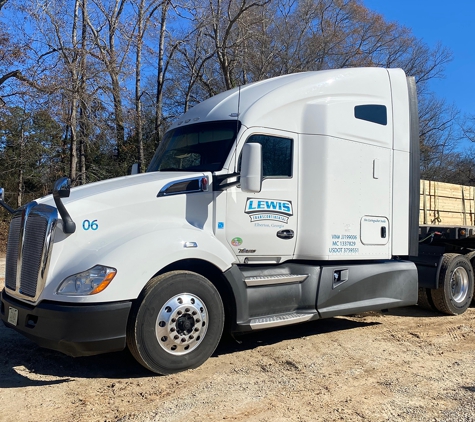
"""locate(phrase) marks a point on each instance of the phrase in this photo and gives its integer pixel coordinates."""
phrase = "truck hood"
(124, 224)
(122, 189)
(112, 212)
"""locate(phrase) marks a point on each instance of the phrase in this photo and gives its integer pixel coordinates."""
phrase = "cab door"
(262, 227)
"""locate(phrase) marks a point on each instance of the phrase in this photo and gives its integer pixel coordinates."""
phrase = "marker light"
(89, 282)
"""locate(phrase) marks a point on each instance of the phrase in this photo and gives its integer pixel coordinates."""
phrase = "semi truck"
(287, 200)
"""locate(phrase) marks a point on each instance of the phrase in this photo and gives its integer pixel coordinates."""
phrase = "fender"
(137, 260)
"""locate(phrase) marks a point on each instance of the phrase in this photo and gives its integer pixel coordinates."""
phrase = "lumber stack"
(446, 204)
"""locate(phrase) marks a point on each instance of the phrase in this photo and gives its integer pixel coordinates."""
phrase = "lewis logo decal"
(268, 209)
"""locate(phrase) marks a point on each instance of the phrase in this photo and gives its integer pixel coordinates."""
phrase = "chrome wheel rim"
(181, 324)
(459, 284)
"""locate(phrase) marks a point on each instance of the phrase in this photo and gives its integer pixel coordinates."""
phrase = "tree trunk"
(160, 72)
(118, 115)
(73, 156)
(138, 76)
(83, 124)
(19, 199)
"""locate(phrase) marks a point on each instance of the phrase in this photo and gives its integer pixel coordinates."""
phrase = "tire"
(176, 323)
(425, 300)
(455, 291)
(471, 257)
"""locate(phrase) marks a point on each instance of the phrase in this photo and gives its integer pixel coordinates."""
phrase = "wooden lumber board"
(446, 204)
(447, 190)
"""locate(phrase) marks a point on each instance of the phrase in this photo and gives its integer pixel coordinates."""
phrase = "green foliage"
(30, 153)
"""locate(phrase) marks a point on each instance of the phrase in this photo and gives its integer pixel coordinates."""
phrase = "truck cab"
(278, 202)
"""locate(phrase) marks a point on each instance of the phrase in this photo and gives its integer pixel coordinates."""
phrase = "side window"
(372, 113)
(276, 155)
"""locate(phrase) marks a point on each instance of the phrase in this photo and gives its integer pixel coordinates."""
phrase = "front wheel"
(176, 323)
(456, 284)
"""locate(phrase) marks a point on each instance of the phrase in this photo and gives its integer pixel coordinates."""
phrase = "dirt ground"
(407, 365)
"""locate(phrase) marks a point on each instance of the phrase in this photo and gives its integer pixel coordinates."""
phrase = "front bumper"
(76, 330)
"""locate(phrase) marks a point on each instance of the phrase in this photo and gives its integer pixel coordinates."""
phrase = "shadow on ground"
(24, 364)
(417, 311)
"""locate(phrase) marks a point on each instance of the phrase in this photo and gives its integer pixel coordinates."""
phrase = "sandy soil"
(408, 365)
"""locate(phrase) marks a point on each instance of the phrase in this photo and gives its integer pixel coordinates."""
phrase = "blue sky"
(453, 24)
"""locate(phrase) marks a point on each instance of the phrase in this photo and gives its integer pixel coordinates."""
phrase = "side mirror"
(62, 189)
(251, 168)
(2, 203)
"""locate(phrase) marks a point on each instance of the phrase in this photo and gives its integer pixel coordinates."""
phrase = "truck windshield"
(197, 147)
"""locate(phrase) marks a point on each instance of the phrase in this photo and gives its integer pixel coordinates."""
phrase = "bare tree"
(82, 93)
(105, 31)
(76, 57)
(63, 49)
(220, 20)
(439, 136)
(468, 128)
(166, 51)
(139, 39)
(161, 71)
(193, 56)
(12, 53)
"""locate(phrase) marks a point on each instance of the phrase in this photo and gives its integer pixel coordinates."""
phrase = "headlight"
(88, 282)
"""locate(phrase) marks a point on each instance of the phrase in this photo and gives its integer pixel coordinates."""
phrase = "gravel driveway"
(408, 365)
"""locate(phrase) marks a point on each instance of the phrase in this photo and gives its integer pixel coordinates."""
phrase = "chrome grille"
(28, 250)
(13, 249)
(35, 233)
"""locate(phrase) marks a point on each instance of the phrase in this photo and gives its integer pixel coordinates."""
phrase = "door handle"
(285, 234)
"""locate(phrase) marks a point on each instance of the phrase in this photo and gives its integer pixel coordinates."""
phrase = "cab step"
(279, 320)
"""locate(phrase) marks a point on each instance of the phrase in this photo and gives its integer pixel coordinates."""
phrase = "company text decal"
(344, 244)
(268, 209)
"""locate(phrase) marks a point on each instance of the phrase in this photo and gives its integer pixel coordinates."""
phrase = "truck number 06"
(90, 225)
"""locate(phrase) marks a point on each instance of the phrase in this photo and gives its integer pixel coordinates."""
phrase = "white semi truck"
(283, 201)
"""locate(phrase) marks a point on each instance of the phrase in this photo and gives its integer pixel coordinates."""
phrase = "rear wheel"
(176, 323)
(425, 300)
(471, 257)
(455, 291)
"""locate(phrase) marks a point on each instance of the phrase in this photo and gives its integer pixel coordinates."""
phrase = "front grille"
(28, 250)
(35, 233)
(13, 249)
